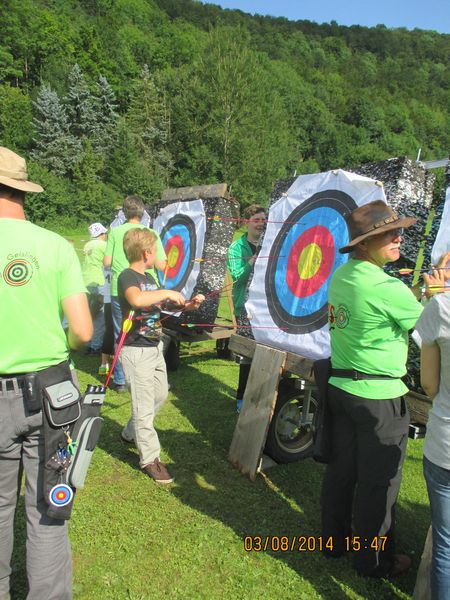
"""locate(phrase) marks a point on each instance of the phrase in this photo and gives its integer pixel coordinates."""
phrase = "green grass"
(133, 540)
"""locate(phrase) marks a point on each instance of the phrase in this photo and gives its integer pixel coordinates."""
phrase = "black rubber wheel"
(288, 439)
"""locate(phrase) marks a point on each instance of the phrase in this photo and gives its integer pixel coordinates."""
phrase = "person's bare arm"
(161, 264)
(107, 261)
(140, 299)
(76, 310)
(430, 368)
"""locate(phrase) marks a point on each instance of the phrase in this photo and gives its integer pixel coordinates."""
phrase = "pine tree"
(105, 136)
(149, 125)
(80, 105)
(55, 146)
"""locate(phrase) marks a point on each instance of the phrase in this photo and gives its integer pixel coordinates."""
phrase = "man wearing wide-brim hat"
(370, 314)
(40, 279)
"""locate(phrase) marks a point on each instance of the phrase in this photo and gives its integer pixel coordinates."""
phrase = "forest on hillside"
(111, 97)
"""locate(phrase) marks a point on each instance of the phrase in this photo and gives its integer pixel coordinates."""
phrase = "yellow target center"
(309, 261)
(173, 256)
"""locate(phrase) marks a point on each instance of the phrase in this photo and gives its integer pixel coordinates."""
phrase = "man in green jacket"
(241, 258)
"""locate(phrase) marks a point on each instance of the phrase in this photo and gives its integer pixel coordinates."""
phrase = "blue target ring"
(297, 295)
(61, 495)
(179, 239)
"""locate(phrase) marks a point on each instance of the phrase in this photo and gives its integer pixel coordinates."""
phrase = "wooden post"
(228, 286)
(257, 409)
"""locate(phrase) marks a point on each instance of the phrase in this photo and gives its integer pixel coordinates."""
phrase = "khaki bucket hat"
(372, 219)
(13, 172)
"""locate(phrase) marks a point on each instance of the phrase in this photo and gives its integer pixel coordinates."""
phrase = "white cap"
(96, 229)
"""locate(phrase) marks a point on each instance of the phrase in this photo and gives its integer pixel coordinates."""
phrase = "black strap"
(357, 375)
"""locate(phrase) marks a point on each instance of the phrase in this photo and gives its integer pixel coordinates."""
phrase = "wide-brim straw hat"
(372, 219)
(13, 172)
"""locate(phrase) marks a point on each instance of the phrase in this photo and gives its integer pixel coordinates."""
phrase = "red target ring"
(174, 247)
(315, 247)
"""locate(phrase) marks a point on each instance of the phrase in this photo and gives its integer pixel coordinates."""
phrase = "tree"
(148, 124)
(105, 134)
(80, 105)
(15, 118)
(55, 146)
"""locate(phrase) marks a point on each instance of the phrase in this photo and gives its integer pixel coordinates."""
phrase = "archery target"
(61, 495)
(307, 249)
(181, 227)
(288, 294)
(180, 242)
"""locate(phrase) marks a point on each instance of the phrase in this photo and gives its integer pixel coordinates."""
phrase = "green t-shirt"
(38, 269)
(92, 268)
(370, 314)
(114, 249)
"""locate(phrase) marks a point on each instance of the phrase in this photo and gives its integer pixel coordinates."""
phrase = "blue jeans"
(438, 485)
(119, 377)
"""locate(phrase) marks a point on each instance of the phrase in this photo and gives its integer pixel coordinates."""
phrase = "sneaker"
(239, 405)
(400, 565)
(103, 370)
(120, 388)
(158, 472)
(125, 439)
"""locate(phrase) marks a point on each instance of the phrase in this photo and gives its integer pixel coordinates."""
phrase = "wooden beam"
(296, 364)
(218, 190)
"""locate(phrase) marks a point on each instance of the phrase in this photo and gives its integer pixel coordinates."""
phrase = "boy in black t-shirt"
(142, 353)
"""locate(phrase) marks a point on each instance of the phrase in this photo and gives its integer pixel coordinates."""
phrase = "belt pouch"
(322, 419)
(61, 409)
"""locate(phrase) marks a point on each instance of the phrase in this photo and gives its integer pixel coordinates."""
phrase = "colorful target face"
(180, 242)
(307, 248)
(61, 495)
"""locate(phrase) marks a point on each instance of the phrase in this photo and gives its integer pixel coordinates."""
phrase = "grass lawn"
(133, 540)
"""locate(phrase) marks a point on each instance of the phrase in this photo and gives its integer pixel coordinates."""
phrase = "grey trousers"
(146, 376)
(49, 563)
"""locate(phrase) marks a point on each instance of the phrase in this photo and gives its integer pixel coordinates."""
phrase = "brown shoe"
(158, 472)
(400, 565)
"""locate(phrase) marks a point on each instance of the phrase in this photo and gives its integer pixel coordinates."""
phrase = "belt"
(8, 383)
(357, 375)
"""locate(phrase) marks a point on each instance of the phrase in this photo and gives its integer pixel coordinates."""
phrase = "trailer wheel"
(290, 435)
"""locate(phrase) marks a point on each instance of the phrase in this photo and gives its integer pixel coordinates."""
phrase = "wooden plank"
(228, 286)
(422, 589)
(259, 402)
(218, 190)
(296, 364)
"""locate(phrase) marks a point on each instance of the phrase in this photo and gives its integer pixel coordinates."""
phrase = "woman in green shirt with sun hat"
(370, 314)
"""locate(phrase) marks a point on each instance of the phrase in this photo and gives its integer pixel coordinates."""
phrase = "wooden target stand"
(260, 397)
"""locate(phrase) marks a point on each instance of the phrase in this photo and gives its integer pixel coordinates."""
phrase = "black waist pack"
(322, 419)
(61, 409)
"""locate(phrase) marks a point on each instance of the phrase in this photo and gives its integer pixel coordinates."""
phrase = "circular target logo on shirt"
(179, 239)
(342, 317)
(307, 247)
(18, 272)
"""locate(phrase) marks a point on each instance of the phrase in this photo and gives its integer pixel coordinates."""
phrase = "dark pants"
(108, 337)
(361, 483)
